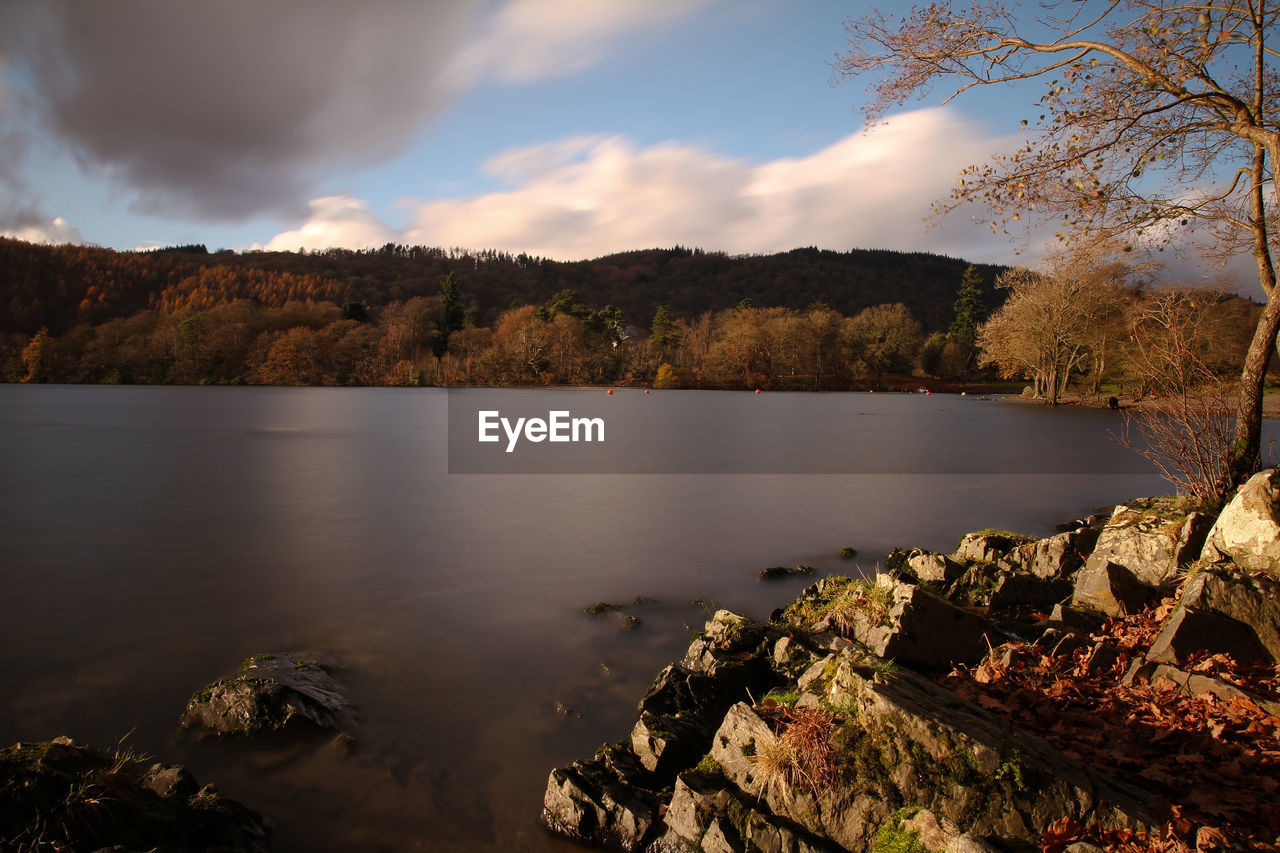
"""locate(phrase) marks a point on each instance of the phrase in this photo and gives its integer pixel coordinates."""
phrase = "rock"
(900, 738)
(97, 801)
(977, 585)
(1023, 589)
(1195, 684)
(667, 744)
(170, 780)
(927, 567)
(733, 649)
(942, 836)
(1247, 531)
(1075, 620)
(705, 816)
(778, 572)
(1152, 538)
(683, 706)
(1055, 557)
(270, 693)
(605, 801)
(987, 546)
(1254, 601)
(1188, 632)
(1105, 658)
(920, 629)
(1110, 588)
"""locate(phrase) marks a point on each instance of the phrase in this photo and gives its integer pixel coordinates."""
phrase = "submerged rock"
(67, 796)
(271, 692)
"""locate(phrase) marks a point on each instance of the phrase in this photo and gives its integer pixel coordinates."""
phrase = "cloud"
(224, 110)
(335, 221)
(227, 110)
(599, 195)
(528, 40)
(34, 228)
(586, 196)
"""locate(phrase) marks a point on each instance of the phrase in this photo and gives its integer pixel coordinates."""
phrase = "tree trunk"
(1245, 447)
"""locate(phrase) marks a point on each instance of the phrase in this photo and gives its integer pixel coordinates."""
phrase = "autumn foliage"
(1214, 761)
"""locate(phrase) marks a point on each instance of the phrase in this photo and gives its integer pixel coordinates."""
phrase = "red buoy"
(646, 390)
(757, 390)
(610, 392)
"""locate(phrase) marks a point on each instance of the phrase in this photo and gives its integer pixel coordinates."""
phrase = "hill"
(60, 287)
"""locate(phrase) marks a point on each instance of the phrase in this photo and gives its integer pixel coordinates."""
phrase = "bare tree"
(1185, 430)
(1156, 115)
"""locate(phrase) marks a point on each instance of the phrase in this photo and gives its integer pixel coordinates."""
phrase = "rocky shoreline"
(63, 795)
(1113, 687)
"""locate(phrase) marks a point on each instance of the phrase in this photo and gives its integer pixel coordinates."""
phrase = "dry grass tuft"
(798, 756)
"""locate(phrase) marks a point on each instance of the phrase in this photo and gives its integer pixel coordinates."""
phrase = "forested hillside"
(59, 287)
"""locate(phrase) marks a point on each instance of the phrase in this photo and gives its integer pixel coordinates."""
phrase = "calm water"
(151, 538)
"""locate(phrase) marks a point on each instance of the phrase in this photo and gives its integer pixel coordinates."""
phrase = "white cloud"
(532, 39)
(587, 196)
(336, 221)
(56, 231)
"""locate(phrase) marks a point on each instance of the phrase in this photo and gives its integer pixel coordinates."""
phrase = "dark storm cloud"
(228, 109)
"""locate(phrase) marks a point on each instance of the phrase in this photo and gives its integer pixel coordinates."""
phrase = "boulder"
(727, 640)
(899, 738)
(707, 814)
(987, 546)
(1024, 589)
(94, 800)
(1055, 557)
(1247, 531)
(1254, 601)
(930, 568)
(924, 630)
(1067, 618)
(1110, 588)
(1152, 538)
(606, 800)
(1188, 632)
(270, 693)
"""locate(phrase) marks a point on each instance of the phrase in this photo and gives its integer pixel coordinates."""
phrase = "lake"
(152, 538)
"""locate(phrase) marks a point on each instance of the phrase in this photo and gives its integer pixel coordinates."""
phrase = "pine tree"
(970, 311)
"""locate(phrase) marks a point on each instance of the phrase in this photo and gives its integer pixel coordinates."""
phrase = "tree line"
(1082, 319)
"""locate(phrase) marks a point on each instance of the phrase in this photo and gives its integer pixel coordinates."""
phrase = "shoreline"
(941, 706)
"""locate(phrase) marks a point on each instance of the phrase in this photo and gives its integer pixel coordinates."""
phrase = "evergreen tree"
(664, 331)
(452, 314)
(970, 312)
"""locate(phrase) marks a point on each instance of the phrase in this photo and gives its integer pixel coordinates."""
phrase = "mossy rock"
(271, 692)
(66, 796)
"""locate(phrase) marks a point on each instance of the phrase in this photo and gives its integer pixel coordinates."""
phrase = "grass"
(844, 601)
(798, 756)
(1018, 538)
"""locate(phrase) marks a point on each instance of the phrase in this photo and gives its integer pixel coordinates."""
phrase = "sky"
(562, 128)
